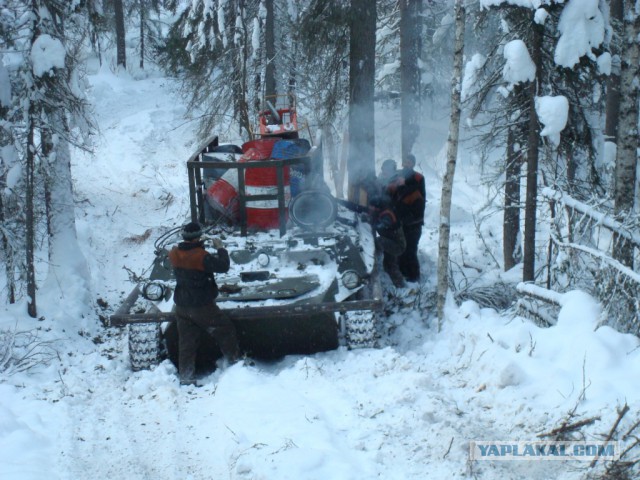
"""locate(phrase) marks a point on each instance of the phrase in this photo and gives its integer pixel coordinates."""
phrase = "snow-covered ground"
(407, 410)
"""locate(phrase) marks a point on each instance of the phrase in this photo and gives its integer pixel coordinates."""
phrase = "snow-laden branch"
(540, 293)
(599, 255)
(533, 310)
(588, 210)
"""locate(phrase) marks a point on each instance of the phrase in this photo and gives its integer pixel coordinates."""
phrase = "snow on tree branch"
(588, 210)
(582, 29)
(540, 293)
(553, 112)
(47, 53)
(519, 67)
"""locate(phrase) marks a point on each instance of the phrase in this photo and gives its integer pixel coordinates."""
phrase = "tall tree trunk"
(30, 217)
(7, 251)
(511, 219)
(240, 58)
(142, 32)
(533, 152)
(361, 160)
(270, 50)
(6, 143)
(452, 155)
(29, 177)
(613, 82)
(409, 72)
(628, 138)
(121, 55)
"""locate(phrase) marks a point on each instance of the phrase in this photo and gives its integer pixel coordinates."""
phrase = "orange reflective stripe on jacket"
(188, 259)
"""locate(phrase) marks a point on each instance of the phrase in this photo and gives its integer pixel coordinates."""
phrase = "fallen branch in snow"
(629, 448)
(484, 242)
(621, 414)
(540, 293)
(448, 449)
(621, 468)
(630, 431)
(133, 276)
(20, 351)
(569, 427)
(498, 296)
(541, 317)
(472, 265)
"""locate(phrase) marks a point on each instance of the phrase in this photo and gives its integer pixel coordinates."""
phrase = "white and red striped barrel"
(263, 214)
(222, 195)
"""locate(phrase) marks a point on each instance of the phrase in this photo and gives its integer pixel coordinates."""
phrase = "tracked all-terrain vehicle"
(303, 276)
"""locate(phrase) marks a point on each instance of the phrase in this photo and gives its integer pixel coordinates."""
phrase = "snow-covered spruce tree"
(436, 53)
(9, 211)
(209, 49)
(500, 100)
(110, 22)
(337, 74)
(17, 159)
(11, 203)
(96, 26)
(322, 71)
(53, 103)
(398, 48)
(530, 68)
(145, 15)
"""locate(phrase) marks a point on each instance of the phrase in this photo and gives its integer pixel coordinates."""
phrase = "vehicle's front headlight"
(351, 279)
(263, 259)
(155, 291)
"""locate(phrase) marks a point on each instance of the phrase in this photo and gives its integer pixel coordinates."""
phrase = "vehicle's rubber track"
(360, 329)
(145, 349)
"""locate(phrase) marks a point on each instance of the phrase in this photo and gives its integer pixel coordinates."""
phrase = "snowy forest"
(524, 118)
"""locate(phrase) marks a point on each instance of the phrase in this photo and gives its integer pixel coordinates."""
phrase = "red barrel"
(263, 146)
(222, 195)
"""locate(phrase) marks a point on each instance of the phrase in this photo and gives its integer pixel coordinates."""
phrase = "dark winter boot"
(390, 264)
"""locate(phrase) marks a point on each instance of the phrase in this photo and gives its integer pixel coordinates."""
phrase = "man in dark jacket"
(409, 202)
(194, 298)
(390, 234)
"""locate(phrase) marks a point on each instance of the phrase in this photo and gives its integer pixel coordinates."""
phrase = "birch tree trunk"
(627, 152)
(452, 154)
